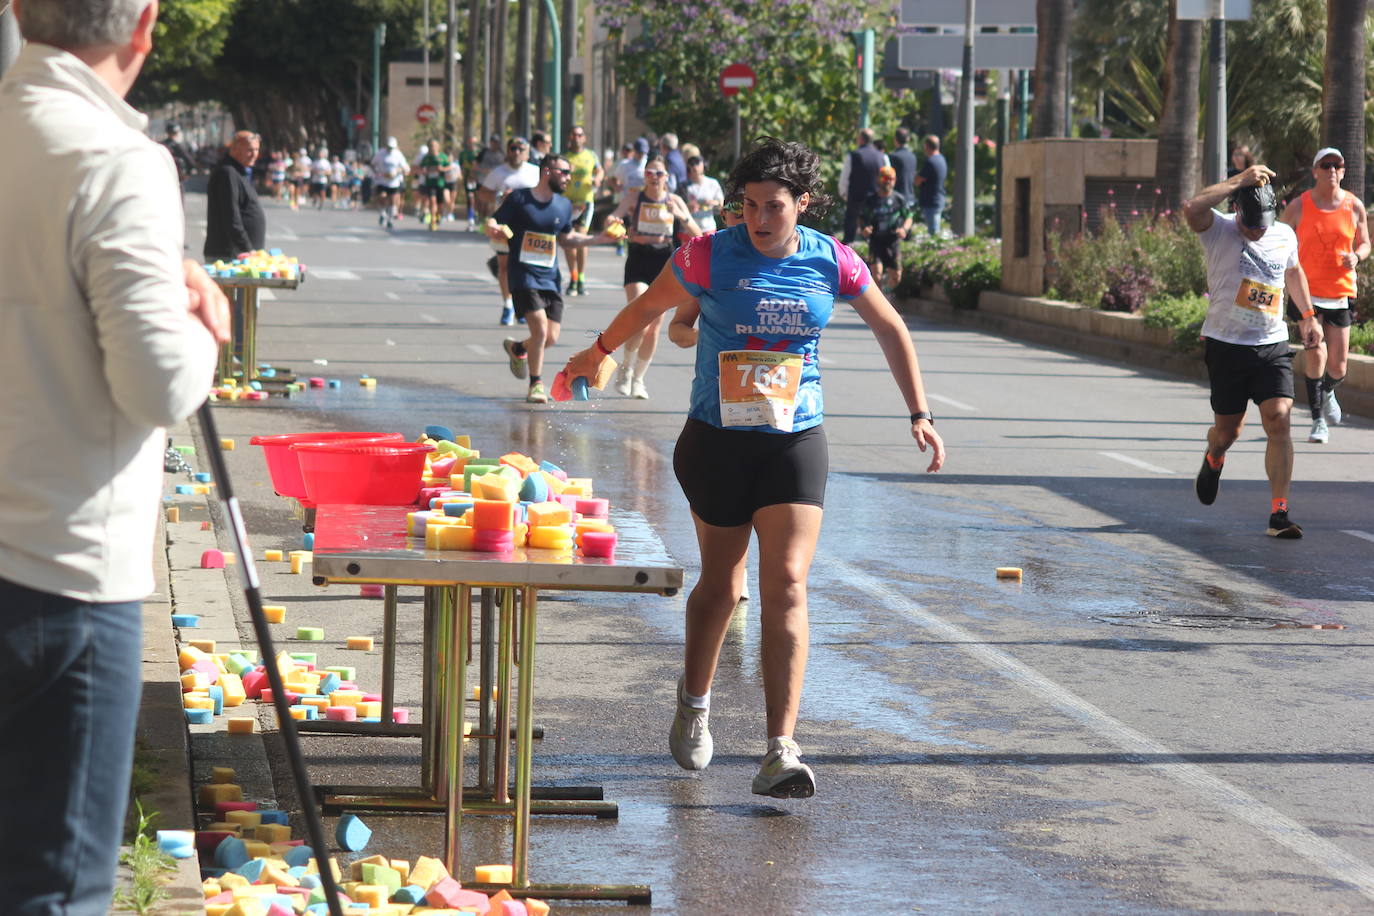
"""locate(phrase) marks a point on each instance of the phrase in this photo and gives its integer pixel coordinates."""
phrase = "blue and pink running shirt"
(761, 319)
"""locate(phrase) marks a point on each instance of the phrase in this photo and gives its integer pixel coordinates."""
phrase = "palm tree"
(1053, 25)
(1343, 87)
(1176, 148)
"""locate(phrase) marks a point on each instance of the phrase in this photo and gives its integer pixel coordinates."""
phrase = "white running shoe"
(782, 774)
(1319, 431)
(622, 381)
(690, 738)
(1332, 410)
(637, 389)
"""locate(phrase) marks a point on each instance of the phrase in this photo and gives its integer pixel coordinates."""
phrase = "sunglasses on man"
(1330, 164)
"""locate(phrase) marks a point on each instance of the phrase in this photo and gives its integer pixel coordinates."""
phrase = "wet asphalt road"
(1069, 744)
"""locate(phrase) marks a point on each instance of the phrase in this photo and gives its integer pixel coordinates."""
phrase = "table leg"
(443, 663)
(524, 738)
(506, 652)
(388, 651)
(452, 725)
(250, 334)
(486, 708)
(428, 714)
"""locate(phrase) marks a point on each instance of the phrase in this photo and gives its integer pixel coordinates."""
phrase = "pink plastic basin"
(369, 474)
(285, 468)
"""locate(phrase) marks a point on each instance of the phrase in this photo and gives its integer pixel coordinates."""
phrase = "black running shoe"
(1280, 526)
(1208, 481)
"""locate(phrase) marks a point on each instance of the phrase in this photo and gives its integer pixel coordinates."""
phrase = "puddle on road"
(1211, 621)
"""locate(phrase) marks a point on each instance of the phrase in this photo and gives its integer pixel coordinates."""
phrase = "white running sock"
(702, 702)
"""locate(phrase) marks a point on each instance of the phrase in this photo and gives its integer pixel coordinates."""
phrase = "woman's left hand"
(923, 431)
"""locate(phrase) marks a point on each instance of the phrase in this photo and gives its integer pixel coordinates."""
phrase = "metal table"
(368, 545)
(243, 299)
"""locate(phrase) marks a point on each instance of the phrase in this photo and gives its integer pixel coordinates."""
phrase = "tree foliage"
(188, 38)
(807, 88)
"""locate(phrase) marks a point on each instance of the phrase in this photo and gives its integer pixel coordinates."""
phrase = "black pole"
(253, 594)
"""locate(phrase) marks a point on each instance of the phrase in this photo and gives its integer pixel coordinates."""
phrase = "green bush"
(1123, 268)
(963, 267)
(1362, 338)
(1181, 314)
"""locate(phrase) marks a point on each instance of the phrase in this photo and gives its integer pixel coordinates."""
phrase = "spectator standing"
(931, 184)
(673, 159)
(180, 156)
(110, 337)
(234, 219)
(903, 162)
(858, 179)
(1241, 159)
(629, 172)
(540, 145)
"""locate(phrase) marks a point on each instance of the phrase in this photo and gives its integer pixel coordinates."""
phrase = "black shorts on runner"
(1241, 374)
(885, 249)
(643, 263)
(729, 474)
(534, 300)
(1332, 318)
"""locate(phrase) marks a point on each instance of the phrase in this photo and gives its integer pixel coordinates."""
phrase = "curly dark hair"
(793, 165)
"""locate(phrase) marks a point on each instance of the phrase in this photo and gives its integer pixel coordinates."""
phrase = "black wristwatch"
(923, 415)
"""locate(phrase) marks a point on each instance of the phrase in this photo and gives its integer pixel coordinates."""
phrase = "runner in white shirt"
(514, 173)
(389, 169)
(320, 172)
(1251, 261)
(703, 194)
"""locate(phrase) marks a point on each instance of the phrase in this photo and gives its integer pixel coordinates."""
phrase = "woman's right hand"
(584, 364)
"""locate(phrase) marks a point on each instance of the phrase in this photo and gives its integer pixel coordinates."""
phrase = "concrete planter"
(1117, 336)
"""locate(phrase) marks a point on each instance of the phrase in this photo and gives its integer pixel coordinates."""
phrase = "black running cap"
(1255, 206)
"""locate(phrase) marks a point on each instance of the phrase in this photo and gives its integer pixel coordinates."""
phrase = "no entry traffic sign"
(736, 78)
(426, 113)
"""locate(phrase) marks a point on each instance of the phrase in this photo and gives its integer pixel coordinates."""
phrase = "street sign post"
(951, 12)
(426, 113)
(733, 80)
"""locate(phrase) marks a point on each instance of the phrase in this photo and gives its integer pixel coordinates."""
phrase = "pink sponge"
(598, 544)
(253, 683)
(212, 559)
(447, 892)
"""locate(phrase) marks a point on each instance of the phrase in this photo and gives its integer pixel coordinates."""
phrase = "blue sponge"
(299, 855)
(329, 684)
(231, 853)
(456, 509)
(185, 489)
(203, 477)
(535, 489)
(351, 833)
(185, 620)
(252, 869)
(411, 893)
(200, 716)
(436, 431)
(216, 693)
(273, 816)
(309, 540)
(335, 383)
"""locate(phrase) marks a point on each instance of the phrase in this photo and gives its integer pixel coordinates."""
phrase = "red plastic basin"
(285, 468)
(369, 474)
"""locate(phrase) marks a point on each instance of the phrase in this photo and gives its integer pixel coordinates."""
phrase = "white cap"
(391, 143)
(1324, 152)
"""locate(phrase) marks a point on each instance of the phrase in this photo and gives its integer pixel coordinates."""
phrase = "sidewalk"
(178, 756)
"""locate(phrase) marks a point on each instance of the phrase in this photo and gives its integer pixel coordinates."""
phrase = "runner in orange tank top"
(1333, 237)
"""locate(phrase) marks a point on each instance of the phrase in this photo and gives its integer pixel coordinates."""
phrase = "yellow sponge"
(272, 556)
(361, 643)
(173, 514)
(275, 613)
(222, 775)
(241, 725)
(494, 874)
(234, 694)
(226, 445)
(427, 872)
(219, 792)
(272, 833)
(244, 818)
(205, 645)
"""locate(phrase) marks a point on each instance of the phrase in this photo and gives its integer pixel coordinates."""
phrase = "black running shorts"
(644, 262)
(1241, 374)
(885, 249)
(729, 474)
(1332, 318)
(534, 300)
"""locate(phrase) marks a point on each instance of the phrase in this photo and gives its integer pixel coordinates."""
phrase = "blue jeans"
(70, 684)
(931, 217)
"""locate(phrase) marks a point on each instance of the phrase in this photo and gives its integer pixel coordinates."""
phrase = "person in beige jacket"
(106, 336)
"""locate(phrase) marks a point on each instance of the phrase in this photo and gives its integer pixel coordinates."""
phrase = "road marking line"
(430, 318)
(324, 273)
(343, 239)
(1359, 534)
(479, 349)
(393, 297)
(1137, 463)
(1273, 824)
(957, 405)
(285, 234)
